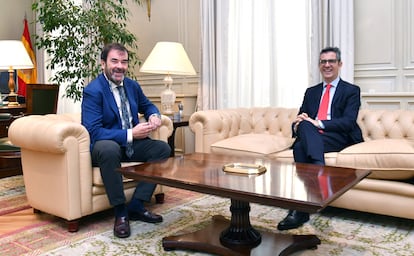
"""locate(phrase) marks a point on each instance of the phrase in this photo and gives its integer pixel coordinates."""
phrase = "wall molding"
(393, 100)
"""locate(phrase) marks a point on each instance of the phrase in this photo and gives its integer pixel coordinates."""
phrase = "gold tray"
(242, 168)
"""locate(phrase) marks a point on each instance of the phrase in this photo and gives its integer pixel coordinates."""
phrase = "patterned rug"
(12, 195)
(342, 232)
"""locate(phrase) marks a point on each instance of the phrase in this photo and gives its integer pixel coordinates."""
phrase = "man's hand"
(155, 121)
(313, 121)
(304, 117)
(300, 118)
(142, 130)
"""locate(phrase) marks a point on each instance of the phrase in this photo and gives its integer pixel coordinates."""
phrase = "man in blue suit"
(337, 129)
(110, 108)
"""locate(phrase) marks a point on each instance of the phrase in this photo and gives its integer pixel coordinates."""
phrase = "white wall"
(384, 53)
(12, 13)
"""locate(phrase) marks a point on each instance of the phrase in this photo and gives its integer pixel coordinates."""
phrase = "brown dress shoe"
(121, 227)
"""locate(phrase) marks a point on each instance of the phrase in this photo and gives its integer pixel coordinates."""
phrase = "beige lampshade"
(168, 58)
(13, 55)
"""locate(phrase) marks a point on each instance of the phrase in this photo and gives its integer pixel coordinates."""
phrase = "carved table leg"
(240, 231)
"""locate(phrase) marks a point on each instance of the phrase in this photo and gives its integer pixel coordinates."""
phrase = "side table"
(10, 162)
(14, 111)
(182, 121)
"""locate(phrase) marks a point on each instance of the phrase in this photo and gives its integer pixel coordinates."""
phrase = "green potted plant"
(74, 34)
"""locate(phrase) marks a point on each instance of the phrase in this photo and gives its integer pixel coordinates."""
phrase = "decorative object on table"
(246, 169)
(168, 58)
(13, 56)
(180, 109)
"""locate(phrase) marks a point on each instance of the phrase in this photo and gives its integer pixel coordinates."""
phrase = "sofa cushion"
(386, 158)
(252, 144)
(287, 156)
(97, 178)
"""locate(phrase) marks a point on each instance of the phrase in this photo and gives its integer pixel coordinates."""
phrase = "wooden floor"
(13, 222)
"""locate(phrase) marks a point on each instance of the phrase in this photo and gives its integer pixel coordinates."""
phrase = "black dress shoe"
(145, 216)
(294, 219)
(121, 227)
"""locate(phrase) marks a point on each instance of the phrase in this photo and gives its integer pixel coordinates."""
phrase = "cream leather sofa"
(57, 171)
(388, 150)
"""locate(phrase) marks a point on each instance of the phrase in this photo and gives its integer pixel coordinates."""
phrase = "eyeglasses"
(330, 61)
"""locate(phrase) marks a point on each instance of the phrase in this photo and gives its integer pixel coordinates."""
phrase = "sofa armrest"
(46, 133)
(210, 126)
(164, 131)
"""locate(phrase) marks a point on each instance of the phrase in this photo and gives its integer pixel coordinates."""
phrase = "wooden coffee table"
(303, 187)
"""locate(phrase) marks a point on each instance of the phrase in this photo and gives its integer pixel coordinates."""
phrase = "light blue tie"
(126, 123)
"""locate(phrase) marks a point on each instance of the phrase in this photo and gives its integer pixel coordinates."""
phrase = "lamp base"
(167, 97)
(12, 98)
(168, 112)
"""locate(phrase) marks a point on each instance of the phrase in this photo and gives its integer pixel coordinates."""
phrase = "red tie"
(323, 107)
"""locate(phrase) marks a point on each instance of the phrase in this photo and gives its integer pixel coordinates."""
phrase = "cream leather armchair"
(57, 170)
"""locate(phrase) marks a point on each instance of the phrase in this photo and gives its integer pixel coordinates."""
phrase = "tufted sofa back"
(211, 126)
(233, 122)
(375, 124)
(386, 124)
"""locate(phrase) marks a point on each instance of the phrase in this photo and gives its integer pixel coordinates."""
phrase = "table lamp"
(13, 56)
(168, 58)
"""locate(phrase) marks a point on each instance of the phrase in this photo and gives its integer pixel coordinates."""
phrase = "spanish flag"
(27, 76)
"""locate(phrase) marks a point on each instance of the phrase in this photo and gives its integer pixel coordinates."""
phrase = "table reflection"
(287, 181)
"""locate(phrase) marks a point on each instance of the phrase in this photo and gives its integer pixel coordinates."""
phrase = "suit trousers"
(108, 155)
(310, 144)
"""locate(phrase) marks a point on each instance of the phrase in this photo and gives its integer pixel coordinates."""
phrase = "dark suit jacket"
(344, 109)
(100, 114)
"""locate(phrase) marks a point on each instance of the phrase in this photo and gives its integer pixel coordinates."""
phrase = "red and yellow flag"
(27, 76)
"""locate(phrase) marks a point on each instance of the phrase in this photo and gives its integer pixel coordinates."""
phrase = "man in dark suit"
(317, 132)
(110, 108)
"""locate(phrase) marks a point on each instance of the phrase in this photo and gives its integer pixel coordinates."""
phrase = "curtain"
(253, 54)
(207, 92)
(332, 24)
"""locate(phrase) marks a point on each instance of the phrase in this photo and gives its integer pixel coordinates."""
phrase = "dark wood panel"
(15, 111)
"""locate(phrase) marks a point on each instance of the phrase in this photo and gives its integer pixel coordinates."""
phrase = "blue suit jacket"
(100, 114)
(344, 109)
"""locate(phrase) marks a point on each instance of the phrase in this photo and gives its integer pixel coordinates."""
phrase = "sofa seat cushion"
(393, 187)
(287, 156)
(387, 158)
(97, 178)
(98, 186)
(252, 144)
